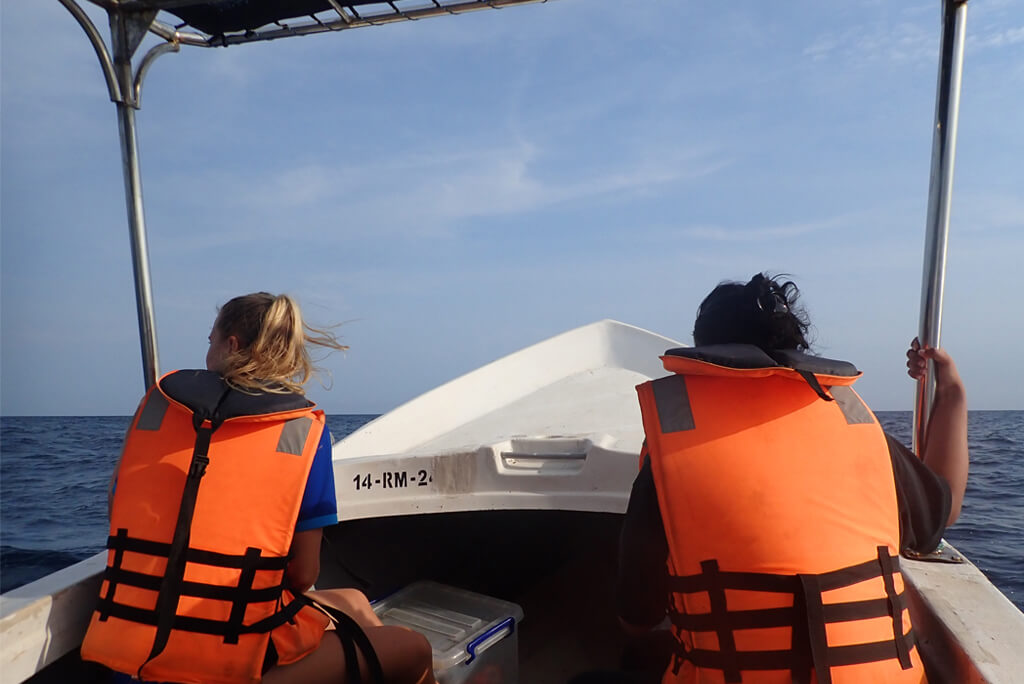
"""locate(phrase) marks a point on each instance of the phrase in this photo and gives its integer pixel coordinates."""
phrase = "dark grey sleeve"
(641, 592)
(923, 499)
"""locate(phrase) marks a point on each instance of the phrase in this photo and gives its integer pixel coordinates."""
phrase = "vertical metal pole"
(136, 214)
(940, 194)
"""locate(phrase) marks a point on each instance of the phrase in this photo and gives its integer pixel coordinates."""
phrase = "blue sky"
(451, 190)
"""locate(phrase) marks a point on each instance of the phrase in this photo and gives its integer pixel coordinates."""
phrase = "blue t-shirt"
(319, 506)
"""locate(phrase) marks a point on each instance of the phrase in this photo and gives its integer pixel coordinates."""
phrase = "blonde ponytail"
(273, 342)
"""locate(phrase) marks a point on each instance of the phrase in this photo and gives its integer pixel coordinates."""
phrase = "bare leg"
(405, 657)
(351, 602)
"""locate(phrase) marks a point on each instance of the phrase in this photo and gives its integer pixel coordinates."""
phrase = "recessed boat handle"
(577, 456)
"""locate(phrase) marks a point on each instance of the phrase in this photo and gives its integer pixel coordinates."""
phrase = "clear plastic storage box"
(473, 636)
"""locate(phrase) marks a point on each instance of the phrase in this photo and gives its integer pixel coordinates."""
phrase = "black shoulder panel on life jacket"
(818, 365)
(728, 355)
(747, 356)
(208, 396)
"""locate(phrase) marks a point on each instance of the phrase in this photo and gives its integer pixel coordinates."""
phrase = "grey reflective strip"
(854, 410)
(153, 412)
(673, 404)
(293, 436)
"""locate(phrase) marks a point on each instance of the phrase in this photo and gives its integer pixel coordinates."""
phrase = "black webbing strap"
(174, 575)
(807, 616)
(122, 533)
(783, 584)
(742, 660)
(852, 574)
(679, 648)
(286, 614)
(678, 658)
(192, 555)
(838, 656)
(783, 659)
(353, 675)
(797, 660)
(857, 610)
(218, 592)
(737, 619)
(815, 385)
(719, 613)
(895, 605)
(351, 636)
(183, 623)
(746, 581)
(816, 636)
(245, 580)
(122, 542)
(856, 654)
(784, 617)
(800, 643)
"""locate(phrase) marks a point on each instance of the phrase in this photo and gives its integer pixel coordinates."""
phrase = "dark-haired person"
(224, 486)
(770, 510)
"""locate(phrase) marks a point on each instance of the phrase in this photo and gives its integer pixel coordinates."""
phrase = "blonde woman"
(218, 504)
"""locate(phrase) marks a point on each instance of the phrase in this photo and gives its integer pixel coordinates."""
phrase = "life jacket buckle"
(198, 466)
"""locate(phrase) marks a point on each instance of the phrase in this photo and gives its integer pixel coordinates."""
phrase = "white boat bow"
(554, 426)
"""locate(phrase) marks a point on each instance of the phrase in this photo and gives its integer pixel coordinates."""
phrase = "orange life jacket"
(194, 587)
(777, 493)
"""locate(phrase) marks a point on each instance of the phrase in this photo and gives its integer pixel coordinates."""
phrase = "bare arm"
(945, 444)
(304, 565)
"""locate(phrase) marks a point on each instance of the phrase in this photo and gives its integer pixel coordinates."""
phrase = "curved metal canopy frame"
(124, 85)
(337, 15)
(130, 21)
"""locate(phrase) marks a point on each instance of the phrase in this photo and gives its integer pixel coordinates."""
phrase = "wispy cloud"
(425, 194)
(900, 42)
(505, 181)
(765, 233)
(989, 212)
(997, 38)
(912, 42)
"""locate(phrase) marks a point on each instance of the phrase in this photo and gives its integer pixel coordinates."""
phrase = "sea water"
(54, 473)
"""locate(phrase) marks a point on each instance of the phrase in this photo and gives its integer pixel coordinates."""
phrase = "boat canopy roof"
(223, 16)
(224, 22)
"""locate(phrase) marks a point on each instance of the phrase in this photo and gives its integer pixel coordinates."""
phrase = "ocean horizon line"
(129, 415)
(371, 413)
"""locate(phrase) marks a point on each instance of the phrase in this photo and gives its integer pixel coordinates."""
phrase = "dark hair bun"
(762, 312)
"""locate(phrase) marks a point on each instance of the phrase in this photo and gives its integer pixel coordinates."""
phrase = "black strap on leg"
(351, 636)
(352, 672)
